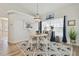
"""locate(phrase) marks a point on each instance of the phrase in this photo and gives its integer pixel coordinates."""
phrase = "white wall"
(17, 32)
(72, 13)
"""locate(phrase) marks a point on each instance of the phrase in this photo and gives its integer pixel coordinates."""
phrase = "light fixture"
(37, 16)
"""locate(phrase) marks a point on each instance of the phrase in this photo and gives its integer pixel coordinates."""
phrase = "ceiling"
(30, 8)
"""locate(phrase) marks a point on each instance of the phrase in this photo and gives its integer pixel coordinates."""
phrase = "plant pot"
(73, 41)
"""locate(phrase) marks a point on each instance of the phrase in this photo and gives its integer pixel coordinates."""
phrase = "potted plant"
(72, 35)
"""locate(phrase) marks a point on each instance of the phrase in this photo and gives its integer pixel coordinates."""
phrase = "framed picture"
(71, 23)
(50, 15)
(27, 25)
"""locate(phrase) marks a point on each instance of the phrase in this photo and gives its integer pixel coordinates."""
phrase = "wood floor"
(11, 50)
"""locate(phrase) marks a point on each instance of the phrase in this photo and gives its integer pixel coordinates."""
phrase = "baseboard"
(15, 42)
(12, 43)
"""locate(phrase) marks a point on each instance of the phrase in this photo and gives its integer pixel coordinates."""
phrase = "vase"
(64, 30)
(73, 41)
(40, 27)
(52, 39)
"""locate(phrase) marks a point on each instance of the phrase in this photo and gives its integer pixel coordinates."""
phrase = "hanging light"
(37, 16)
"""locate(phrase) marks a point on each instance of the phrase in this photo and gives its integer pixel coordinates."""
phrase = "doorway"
(3, 32)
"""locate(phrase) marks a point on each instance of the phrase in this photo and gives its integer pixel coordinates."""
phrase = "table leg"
(37, 42)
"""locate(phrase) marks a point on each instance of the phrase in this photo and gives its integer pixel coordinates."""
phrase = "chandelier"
(37, 16)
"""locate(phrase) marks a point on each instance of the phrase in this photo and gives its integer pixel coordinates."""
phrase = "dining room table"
(38, 38)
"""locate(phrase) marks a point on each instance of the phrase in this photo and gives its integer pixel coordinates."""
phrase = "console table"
(74, 46)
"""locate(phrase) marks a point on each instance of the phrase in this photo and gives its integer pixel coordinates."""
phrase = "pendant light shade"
(37, 16)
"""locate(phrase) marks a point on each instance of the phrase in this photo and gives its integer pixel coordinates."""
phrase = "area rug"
(53, 49)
